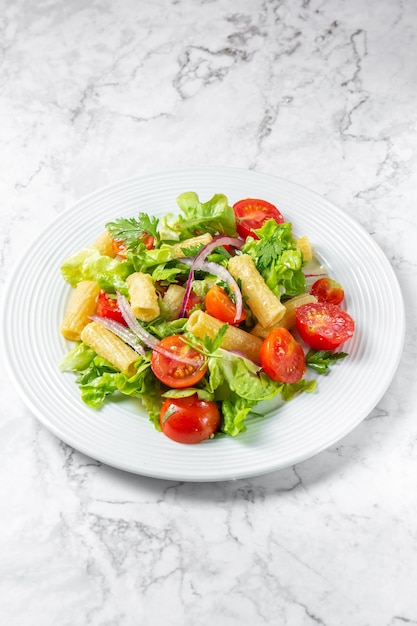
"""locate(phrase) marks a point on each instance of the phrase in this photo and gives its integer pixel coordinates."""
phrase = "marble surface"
(323, 94)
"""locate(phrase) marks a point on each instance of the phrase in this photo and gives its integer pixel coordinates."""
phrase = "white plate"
(120, 434)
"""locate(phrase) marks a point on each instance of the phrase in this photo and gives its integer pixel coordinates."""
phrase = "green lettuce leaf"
(167, 275)
(290, 390)
(239, 384)
(78, 359)
(277, 258)
(163, 328)
(158, 262)
(242, 376)
(89, 264)
(143, 260)
(187, 392)
(214, 216)
(235, 410)
(97, 379)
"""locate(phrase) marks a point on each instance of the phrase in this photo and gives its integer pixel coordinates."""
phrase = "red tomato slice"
(252, 213)
(185, 369)
(220, 306)
(327, 290)
(282, 357)
(120, 248)
(107, 307)
(189, 420)
(323, 326)
(149, 241)
(193, 301)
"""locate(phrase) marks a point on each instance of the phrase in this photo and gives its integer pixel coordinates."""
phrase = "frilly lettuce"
(239, 384)
(89, 264)
(97, 379)
(277, 258)
(241, 375)
(213, 216)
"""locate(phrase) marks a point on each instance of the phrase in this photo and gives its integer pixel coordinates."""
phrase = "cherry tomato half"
(120, 248)
(189, 420)
(220, 306)
(107, 307)
(327, 290)
(323, 326)
(186, 367)
(193, 301)
(252, 213)
(282, 357)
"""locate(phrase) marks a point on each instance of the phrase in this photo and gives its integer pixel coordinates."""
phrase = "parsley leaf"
(129, 230)
(321, 360)
(289, 390)
(277, 258)
(213, 344)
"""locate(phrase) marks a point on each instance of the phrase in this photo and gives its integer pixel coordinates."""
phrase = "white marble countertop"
(323, 94)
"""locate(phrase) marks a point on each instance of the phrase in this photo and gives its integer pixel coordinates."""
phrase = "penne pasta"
(201, 240)
(303, 244)
(110, 347)
(172, 300)
(263, 303)
(104, 244)
(82, 305)
(288, 320)
(143, 297)
(201, 324)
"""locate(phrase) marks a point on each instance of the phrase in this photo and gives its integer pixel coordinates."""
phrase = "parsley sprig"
(321, 360)
(209, 345)
(130, 230)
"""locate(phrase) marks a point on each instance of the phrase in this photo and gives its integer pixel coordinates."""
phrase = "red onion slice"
(219, 240)
(148, 339)
(186, 297)
(222, 273)
(133, 323)
(198, 260)
(311, 277)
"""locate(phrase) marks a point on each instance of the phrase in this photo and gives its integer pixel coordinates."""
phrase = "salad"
(201, 314)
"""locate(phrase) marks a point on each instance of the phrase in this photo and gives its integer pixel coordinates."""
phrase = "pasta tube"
(263, 303)
(172, 300)
(201, 324)
(104, 244)
(110, 347)
(82, 304)
(177, 249)
(288, 320)
(143, 297)
(303, 244)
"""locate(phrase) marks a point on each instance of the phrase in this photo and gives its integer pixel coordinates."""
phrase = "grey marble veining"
(321, 93)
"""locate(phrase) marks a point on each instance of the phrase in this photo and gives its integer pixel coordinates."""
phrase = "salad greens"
(321, 360)
(214, 216)
(232, 380)
(129, 230)
(89, 264)
(97, 379)
(278, 259)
